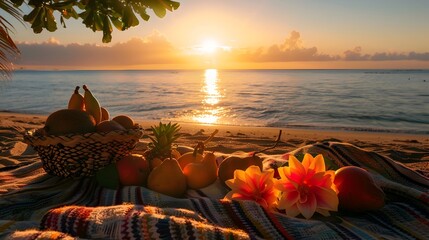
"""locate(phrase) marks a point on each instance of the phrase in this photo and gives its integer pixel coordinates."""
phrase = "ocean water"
(356, 100)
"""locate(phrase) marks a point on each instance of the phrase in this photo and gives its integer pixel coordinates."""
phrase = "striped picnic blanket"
(34, 205)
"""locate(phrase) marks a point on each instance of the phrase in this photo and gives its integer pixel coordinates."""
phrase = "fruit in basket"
(202, 173)
(76, 100)
(67, 121)
(133, 170)
(357, 190)
(125, 121)
(92, 106)
(162, 140)
(105, 115)
(232, 163)
(108, 126)
(168, 179)
(108, 177)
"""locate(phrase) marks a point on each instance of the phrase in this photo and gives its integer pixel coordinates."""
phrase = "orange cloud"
(155, 49)
(291, 50)
(356, 55)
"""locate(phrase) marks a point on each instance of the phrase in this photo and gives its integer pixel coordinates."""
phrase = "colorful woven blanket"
(34, 205)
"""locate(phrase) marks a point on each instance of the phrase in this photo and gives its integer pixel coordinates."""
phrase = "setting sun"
(209, 46)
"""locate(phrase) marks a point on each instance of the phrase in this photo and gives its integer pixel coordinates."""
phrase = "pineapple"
(163, 137)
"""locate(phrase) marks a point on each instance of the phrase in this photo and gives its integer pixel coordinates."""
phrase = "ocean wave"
(350, 100)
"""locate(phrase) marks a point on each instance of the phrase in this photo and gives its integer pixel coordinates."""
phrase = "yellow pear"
(155, 163)
(76, 100)
(168, 179)
(92, 106)
(105, 115)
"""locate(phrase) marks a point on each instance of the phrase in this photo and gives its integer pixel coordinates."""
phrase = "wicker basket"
(80, 155)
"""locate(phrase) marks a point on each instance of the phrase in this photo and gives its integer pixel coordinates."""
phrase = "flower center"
(258, 193)
(303, 190)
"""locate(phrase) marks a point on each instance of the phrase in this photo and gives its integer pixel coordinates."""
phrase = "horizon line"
(230, 69)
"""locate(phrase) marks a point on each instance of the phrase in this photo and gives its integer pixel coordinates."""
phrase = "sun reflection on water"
(212, 97)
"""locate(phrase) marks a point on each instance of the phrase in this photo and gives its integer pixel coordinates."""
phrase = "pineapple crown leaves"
(163, 137)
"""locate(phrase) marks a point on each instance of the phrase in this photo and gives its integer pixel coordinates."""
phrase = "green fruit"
(68, 121)
(108, 177)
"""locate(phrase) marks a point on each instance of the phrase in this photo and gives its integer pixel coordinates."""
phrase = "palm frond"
(8, 49)
(10, 9)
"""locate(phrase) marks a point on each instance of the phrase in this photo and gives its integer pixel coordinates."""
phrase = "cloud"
(383, 56)
(290, 50)
(155, 49)
(400, 56)
(418, 56)
(53, 40)
(293, 50)
(356, 55)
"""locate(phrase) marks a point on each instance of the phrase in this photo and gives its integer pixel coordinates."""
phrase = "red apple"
(357, 190)
(133, 170)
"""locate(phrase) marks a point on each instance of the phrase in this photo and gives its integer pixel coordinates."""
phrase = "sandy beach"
(411, 150)
(30, 198)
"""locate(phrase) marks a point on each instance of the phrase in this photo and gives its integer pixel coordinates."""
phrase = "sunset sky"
(245, 34)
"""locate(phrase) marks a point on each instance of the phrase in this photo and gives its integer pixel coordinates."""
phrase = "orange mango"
(232, 163)
(189, 157)
(203, 173)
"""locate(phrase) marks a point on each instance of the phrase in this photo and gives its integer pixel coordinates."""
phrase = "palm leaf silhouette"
(8, 49)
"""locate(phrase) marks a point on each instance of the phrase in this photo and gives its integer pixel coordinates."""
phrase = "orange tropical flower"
(306, 187)
(255, 185)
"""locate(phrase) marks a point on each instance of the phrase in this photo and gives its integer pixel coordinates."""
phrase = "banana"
(76, 100)
(92, 105)
(105, 115)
